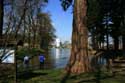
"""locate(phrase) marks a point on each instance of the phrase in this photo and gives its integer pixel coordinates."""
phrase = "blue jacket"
(41, 58)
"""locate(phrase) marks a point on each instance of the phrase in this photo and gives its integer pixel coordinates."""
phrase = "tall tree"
(45, 30)
(1, 16)
(79, 61)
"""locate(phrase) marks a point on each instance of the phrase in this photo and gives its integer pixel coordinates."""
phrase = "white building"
(57, 42)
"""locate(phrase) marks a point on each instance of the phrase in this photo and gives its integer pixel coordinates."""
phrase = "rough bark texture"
(79, 61)
(1, 17)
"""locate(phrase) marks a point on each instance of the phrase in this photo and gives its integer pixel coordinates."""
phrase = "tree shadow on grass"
(66, 76)
(29, 75)
(97, 77)
(111, 54)
(94, 80)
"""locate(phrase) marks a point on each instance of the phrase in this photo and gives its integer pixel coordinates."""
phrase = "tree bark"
(79, 61)
(1, 17)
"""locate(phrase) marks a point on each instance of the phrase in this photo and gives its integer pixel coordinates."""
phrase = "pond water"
(56, 58)
(59, 57)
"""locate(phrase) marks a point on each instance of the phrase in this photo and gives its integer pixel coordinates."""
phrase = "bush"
(26, 51)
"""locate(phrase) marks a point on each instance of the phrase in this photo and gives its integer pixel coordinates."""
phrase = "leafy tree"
(45, 30)
(118, 14)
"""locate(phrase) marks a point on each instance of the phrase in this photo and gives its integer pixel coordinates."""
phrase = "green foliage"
(100, 9)
(66, 4)
(46, 30)
(35, 51)
(46, 1)
(22, 52)
(93, 12)
(26, 51)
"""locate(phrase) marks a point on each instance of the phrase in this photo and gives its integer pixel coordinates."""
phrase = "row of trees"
(106, 18)
(24, 21)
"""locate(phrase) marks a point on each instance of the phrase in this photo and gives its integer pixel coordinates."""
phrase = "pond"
(56, 58)
(60, 57)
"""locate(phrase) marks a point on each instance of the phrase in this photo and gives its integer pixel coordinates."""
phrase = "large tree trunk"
(79, 61)
(1, 17)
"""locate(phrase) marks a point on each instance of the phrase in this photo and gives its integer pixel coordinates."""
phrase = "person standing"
(26, 61)
(41, 60)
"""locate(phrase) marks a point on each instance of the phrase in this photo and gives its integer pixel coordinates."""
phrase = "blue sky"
(62, 20)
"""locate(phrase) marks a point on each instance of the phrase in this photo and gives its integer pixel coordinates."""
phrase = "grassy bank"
(58, 76)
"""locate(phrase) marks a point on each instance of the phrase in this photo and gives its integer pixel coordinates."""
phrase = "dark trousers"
(26, 64)
(41, 65)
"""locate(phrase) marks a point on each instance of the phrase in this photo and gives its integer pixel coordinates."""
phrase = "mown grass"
(42, 76)
(58, 75)
(7, 79)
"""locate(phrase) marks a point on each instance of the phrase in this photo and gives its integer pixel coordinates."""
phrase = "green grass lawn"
(58, 76)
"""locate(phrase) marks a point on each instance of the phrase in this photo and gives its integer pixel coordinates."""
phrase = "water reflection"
(57, 53)
(55, 58)
(60, 57)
